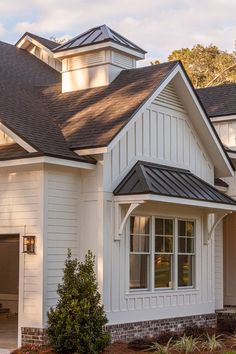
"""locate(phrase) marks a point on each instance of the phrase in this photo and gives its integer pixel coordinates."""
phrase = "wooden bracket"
(121, 222)
(211, 221)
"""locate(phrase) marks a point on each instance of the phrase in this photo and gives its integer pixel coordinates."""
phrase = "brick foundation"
(226, 320)
(129, 331)
(33, 336)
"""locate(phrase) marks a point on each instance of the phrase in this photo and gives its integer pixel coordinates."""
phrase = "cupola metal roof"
(98, 35)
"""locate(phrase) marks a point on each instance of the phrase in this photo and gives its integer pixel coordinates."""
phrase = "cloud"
(157, 26)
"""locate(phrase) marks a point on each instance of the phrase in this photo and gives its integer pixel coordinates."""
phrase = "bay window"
(161, 253)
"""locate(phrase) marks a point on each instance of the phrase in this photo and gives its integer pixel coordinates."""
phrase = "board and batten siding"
(21, 213)
(61, 226)
(162, 134)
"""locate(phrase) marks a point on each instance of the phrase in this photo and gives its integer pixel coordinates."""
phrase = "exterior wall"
(226, 130)
(124, 306)
(61, 227)
(163, 134)
(229, 260)
(46, 57)
(94, 69)
(21, 213)
(219, 286)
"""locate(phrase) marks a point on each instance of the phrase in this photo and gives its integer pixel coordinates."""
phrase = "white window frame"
(175, 286)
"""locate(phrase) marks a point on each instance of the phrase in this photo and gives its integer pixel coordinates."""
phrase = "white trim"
(218, 216)
(89, 48)
(232, 154)
(223, 118)
(17, 139)
(206, 120)
(47, 160)
(174, 200)
(92, 151)
(34, 42)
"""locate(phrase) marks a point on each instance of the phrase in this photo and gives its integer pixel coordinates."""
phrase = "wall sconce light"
(29, 244)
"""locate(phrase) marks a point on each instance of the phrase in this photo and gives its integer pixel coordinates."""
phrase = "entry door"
(229, 247)
(9, 265)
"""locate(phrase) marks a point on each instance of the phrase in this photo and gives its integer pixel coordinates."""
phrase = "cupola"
(95, 58)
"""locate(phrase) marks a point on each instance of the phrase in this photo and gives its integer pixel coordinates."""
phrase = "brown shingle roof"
(21, 109)
(45, 42)
(219, 100)
(93, 117)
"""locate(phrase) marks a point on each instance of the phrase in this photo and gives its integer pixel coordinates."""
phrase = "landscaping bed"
(193, 341)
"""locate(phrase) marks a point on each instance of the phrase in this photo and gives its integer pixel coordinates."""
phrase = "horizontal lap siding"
(20, 212)
(62, 191)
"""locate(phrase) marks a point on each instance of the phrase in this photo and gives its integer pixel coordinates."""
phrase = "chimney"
(95, 58)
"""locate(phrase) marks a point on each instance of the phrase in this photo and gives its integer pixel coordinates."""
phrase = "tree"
(207, 65)
(58, 40)
(76, 324)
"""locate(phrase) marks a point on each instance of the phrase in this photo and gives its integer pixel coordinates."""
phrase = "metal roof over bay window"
(149, 181)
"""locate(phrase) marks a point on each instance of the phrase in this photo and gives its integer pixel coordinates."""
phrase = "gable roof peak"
(97, 35)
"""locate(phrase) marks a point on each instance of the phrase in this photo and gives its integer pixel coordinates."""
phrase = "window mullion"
(152, 252)
(175, 256)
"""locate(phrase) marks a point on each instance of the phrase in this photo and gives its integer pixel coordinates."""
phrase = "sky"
(158, 26)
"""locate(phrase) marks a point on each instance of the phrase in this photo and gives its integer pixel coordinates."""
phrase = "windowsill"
(138, 293)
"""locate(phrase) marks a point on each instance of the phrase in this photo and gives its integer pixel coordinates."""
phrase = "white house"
(98, 154)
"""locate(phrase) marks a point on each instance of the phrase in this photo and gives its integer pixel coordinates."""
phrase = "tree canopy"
(206, 65)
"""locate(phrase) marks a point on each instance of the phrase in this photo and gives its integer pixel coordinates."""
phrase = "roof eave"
(104, 44)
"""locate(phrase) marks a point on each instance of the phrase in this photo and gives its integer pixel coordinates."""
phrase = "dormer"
(95, 58)
(41, 48)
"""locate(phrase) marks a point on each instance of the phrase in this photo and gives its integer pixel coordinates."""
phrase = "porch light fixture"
(29, 244)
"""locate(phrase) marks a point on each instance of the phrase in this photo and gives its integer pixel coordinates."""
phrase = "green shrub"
(187, 344)
(76, 324)
(158, 348)
(213, 343)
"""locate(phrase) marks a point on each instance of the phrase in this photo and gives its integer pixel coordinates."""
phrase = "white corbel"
(211, 225)
(120, 221)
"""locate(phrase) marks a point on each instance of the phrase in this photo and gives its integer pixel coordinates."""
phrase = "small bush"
(213, 343)
(187, 344)
(76, 324)
(158, 348)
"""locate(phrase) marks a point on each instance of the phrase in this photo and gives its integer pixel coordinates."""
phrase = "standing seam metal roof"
(97, 35)
(150, 178)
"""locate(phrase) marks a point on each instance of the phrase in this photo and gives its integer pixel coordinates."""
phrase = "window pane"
(143, 243)
(168, 244)
(190, 245)
(185, 270)
(190, 228)
(159, 227)
(163, 266)
(181, 244)
(134, 243)
(144, 225)
(139, 271)
(168, 227)
(159, 244)
(181, 228)
(134, 224)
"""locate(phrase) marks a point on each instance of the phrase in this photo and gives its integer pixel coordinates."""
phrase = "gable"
(162, 134)
(41, 48)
